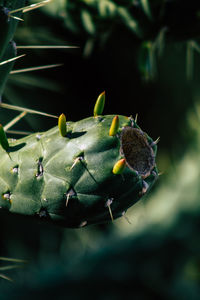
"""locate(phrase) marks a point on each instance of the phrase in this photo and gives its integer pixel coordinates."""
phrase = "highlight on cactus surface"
(90, 171)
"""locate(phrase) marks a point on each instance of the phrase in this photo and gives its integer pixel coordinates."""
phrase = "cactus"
(92, 173)
(77, 173)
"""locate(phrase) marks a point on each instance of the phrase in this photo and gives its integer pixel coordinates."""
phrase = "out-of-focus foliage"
(151, 24)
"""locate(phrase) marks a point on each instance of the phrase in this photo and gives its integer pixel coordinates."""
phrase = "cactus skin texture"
(69, 180)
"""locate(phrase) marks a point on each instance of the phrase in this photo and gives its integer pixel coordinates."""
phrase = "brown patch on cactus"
(137, 151)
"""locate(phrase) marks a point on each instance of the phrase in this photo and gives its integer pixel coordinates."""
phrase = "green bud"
(119, 166)
(62, 125)
(114, 126)
(99, 106)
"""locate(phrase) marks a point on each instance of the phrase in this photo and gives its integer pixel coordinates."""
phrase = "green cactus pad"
(69, 180)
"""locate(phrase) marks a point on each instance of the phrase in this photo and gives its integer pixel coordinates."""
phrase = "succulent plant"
(78, 173)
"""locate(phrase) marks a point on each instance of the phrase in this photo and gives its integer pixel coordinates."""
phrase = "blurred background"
(146, 56)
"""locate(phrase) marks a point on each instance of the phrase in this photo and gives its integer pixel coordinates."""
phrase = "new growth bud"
(99, 106)
(114, 126)
(62, 125)
(119, 166)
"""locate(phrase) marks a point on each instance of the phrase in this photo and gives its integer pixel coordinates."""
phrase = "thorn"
(145, 187)
(62, 125)
(160, 173)
(108, 204)
(99, 106)
(69, 194)
(15, 120)
(119, 166)
(126, 218)
(83, 224)
(155, 142)
(28, 8)
(114, 126)
(76, 161)
(16, 18)
(67, 200)
(16, 260)
(136, 118)
(31, 111)
(132, 121)
(19, 132)
(35, 68)
(46, 47)
(11, 59)
(3, 276)
(35, 5)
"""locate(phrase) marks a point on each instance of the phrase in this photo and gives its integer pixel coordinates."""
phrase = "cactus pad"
(85, 177)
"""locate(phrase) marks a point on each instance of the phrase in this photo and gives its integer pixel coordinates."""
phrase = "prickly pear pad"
(69, 180)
